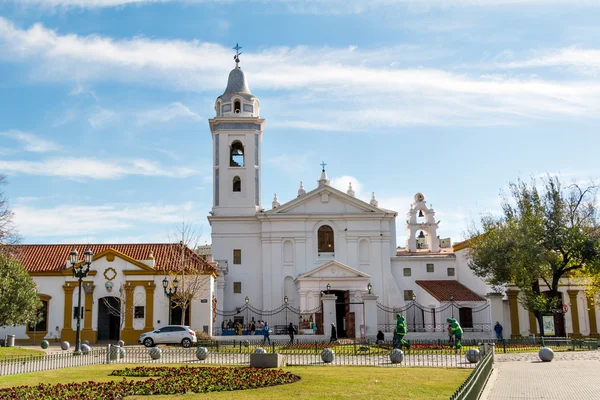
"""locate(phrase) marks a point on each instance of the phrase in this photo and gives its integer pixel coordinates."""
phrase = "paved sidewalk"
(572, 375)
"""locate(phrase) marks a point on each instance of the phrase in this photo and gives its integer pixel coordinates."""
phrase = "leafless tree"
(8, 231)
(193, 284)
(121, 310)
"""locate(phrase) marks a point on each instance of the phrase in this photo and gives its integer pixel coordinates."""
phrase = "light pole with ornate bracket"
(79, 272)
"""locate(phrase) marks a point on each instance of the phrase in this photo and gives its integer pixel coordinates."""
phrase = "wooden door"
(350, 329)
(319, 322)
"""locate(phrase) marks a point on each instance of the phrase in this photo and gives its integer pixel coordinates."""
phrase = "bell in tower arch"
(421, 214)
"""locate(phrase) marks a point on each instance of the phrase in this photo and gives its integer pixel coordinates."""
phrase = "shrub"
(163, 381)
(201, 335)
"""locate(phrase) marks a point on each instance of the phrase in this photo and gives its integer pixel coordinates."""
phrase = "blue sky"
(104, 134)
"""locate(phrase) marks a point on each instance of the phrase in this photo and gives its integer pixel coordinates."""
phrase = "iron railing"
(422, 353)
(347, 353)
(278, 319)
(420, 318)
(473, 386)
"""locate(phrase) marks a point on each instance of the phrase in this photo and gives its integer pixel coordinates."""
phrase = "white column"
(496, 310)
(220, 284)
(329, 316)
(303, 301)
(370, 305)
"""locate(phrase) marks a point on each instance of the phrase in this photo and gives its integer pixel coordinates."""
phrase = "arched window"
(237, 155)
(363, 251)
(237, 107)
(325, 239)
(237, 184)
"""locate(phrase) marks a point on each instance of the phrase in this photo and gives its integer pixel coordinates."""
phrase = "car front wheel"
(186, 343)
(148, 342)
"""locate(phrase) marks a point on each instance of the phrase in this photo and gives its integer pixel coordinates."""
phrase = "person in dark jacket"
(380, 337)
(498, 329)
(333, 337)
(291, 330)
(267, 332)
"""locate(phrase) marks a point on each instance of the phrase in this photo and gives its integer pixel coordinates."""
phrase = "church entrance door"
(319, 322)
(342, 309)
(350, 331)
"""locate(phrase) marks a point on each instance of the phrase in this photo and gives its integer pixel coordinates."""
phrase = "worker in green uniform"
(401, 330)
(456, 331)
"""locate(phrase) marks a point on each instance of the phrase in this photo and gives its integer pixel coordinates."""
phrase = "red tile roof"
(442, 290)
(53, 257)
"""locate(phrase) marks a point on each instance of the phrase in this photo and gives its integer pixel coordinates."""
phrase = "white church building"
(326, 255)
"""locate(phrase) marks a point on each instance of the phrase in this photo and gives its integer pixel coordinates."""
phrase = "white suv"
(169, 334)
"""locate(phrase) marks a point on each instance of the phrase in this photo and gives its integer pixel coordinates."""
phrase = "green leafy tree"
(543, 234)
(19, 302)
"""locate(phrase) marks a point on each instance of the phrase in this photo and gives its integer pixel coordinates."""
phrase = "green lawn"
(17, 351)
(316, 383)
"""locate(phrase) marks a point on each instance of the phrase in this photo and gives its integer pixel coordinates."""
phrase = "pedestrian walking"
(333, 337)
(267, 333)
(498, 329)
(291, 331)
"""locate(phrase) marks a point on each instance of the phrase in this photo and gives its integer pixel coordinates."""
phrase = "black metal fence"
(420, 318)
(422, 353)
(310, 354)
(473, 386)
(278, 320)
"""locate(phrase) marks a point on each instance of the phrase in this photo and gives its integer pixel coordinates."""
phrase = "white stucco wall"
(53, 287)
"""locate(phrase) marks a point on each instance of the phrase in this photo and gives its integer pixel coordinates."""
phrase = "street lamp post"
(452, 304)
(285, 302)
(172, 291)
(247, 300)
(414, 299)
(79, 272)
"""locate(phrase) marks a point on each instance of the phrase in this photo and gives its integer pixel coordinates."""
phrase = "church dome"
(237, 100)
(237, 82)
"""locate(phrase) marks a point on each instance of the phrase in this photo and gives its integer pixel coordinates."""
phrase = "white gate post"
(370, 305)
(329, 316)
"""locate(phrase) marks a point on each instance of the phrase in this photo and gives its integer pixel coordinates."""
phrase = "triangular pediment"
(326, 199)
(334, 270)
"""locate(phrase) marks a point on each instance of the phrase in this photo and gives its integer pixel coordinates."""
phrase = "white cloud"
(342, 182)
(91, 168)
(315, 6)
(70, 220)
(166, 114)
(585, 61)
(31, 142)
(100, 116)
(353, 89)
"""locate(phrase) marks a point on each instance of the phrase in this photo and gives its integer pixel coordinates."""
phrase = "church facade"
(324, 241)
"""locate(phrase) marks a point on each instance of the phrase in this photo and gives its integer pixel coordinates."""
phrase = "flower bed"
(163, 381)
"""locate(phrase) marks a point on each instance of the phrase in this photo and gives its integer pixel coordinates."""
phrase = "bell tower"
(421, 220)
(237, 134)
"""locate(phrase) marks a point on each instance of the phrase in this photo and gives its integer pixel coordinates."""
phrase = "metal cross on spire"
(323, 165)
(237, 52)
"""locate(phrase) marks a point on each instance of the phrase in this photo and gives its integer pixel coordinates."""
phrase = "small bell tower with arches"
(421, 227)
(237, 134)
